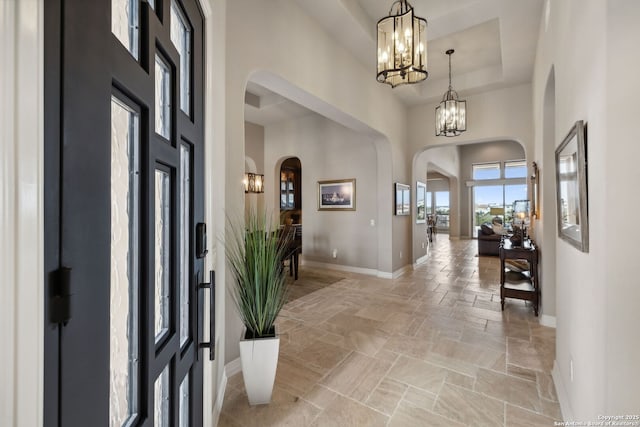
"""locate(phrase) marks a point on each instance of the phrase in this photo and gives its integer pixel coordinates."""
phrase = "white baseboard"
(217, 409)
(399, 272)
(359, 270)
(233, 367)
(420, 260)
(546, 320)
(347, 268)
(561, 391)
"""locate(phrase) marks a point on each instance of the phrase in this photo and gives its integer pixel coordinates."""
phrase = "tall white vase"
(259, 359)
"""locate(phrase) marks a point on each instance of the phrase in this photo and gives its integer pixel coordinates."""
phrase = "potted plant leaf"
(255, 252)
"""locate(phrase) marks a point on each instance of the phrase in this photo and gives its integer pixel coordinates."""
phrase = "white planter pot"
(259, 359)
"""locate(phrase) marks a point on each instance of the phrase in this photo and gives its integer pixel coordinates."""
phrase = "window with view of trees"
(497, 185)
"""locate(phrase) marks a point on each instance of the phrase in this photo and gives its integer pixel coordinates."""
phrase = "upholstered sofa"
(488, 241)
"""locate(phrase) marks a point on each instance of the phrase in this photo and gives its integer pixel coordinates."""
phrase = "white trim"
(21, 212)
(546, 320)
(359, 270)
(402, 270)
(347, 268)
(233, 367)
(420, 260)
(217, 407)
(561, 391)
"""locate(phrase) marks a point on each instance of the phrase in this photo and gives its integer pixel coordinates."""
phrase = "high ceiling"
(494, 42)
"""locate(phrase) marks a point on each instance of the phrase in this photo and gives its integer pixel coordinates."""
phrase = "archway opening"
(290, 191)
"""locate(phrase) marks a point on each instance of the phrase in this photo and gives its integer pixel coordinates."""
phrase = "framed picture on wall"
(535, 191)
(403, 199)
(337, 195)
(571, 188)
(421, 208)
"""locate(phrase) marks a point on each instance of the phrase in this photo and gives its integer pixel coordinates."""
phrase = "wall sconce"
(253, 183)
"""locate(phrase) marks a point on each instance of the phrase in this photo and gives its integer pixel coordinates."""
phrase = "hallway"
(431, 348)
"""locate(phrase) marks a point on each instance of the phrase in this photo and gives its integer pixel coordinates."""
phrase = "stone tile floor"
(430, 348)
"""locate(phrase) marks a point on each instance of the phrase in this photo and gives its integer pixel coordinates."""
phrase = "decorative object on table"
(571, 188)
(421, 208)
(255, 253)
(535, 191)
(337, 195)
(253, 183)
(402, 46)
(451, 114)
(517, 237)
(403, 199)
(521, 214)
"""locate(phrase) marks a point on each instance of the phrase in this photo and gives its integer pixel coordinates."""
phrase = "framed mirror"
(571, 188)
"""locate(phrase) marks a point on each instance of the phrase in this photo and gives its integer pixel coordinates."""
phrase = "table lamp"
(496, 212)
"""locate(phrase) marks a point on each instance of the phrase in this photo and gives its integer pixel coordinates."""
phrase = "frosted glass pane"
(184, 402)
(162, 251)
(185, 238)
(163, 98)
(181, 38)
(161, 399)
(124, 23)
(124, 352)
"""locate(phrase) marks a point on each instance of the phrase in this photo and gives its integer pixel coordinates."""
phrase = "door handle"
(211, 285)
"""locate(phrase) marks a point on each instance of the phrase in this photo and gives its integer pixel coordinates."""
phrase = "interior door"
(124, 194)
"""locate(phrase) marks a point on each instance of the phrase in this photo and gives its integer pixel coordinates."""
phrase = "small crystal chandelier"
(402, 46)
(451, 114)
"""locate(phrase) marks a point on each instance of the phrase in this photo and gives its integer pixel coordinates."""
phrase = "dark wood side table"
(527, 286)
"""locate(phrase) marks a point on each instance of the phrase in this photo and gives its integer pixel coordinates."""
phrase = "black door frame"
(58, 76)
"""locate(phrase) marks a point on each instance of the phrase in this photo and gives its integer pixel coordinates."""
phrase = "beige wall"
(328, 150)
(588, 45)
(254, 162)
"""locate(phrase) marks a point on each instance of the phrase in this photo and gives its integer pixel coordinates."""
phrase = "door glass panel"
(163, 98)
(184, 402)
(124, 23)
(161, 399)
(181, 38)
(162, 252)
(124, 324)
(486, 197)
(442, 210)
(185, 238)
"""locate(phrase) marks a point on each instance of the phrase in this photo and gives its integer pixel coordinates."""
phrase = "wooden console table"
(527, 287)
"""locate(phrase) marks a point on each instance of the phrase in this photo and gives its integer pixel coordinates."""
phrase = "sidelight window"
(125, 23)
(181, 38)
(163, 98)
(124, 324)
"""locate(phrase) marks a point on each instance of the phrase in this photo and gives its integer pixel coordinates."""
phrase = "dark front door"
(124, 192)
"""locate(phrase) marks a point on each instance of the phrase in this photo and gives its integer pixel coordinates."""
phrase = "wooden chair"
(288, 237)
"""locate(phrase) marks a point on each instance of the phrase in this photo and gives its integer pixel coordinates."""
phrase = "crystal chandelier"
(402, 46)
(451, 114)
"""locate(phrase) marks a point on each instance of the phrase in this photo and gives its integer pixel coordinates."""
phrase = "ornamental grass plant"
(256, 250)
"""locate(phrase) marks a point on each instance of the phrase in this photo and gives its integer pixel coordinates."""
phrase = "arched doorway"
(290, 191)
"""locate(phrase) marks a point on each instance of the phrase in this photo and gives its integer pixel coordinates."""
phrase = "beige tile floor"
(431, 348)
